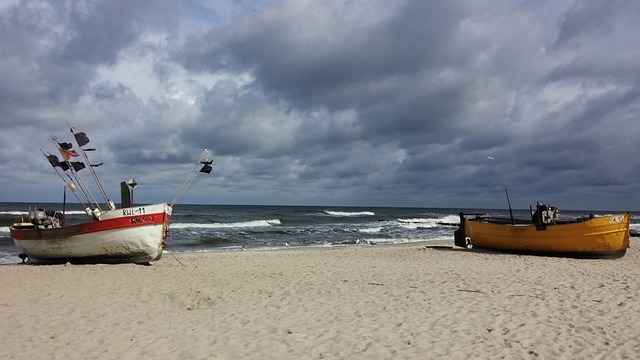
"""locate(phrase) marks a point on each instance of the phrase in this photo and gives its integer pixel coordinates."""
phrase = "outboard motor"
(459, 236)
(39, 217)
(545, 214)
(45, 218)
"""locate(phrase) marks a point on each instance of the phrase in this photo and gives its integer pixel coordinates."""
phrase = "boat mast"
(82, 139)
(64, 207)
(513, 222)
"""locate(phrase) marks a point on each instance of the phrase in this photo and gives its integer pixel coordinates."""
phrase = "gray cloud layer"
(408, 103)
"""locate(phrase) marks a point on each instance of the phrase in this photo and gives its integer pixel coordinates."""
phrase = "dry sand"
(356, 302)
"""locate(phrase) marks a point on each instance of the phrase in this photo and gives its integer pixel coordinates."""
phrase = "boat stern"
(459, 236)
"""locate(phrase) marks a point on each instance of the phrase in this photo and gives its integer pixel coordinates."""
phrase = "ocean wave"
(349, 213)
(242, 224)
(399, 240)
(450, 219)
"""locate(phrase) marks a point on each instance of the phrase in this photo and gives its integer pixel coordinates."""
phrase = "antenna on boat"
(510, 211)
(194, 172)
(82, 139)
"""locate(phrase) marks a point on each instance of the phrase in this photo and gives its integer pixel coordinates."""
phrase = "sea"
(209, 228)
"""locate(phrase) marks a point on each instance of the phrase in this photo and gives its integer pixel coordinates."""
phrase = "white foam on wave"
(372, 230)
(410, 240)
(14, 212)
(349, 213)
(6, 260)
(416, 223)
(25, 212)
(75, 212)
(450, 219)
(242, 224)
(422, 223)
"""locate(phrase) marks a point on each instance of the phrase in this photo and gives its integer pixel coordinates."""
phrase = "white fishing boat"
(127, 234)
(135, 234)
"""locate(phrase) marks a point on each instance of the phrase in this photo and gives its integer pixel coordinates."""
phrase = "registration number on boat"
(142, 220)
(134, 211)
(616, 219)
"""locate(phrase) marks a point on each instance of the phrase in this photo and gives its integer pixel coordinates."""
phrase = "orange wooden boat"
(606, 236)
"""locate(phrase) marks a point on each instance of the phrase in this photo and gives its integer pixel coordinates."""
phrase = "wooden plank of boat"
(606, 236)
(121, 235)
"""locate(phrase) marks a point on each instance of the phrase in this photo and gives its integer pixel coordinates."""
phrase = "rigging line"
(170, 253)
(107, 200)
(190, 177)
(185, 188)
(194, 174)
(65, 182)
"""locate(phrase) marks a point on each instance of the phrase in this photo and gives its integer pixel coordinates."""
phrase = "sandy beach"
(353, 302)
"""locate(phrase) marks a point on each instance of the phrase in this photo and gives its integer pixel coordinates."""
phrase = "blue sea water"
(205, 228)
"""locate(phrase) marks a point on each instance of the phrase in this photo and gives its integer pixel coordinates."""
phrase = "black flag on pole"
(81, 138)
(206, 169)
(77, 165)
(65, 145)
(54, 160)
(64, 165)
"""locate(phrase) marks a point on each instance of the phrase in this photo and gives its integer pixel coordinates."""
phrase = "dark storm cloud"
(332, 58)
(51, 50)
(462, 75)
(419, 103)
(99, 31)
(51, 53)
(586, 20)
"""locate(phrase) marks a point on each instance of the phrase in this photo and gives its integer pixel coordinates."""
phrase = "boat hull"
(122, 235)
(606, 236)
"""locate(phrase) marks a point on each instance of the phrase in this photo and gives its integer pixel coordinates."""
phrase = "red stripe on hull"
(92, 227)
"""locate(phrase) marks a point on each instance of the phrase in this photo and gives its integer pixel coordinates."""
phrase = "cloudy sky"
(336, 102)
